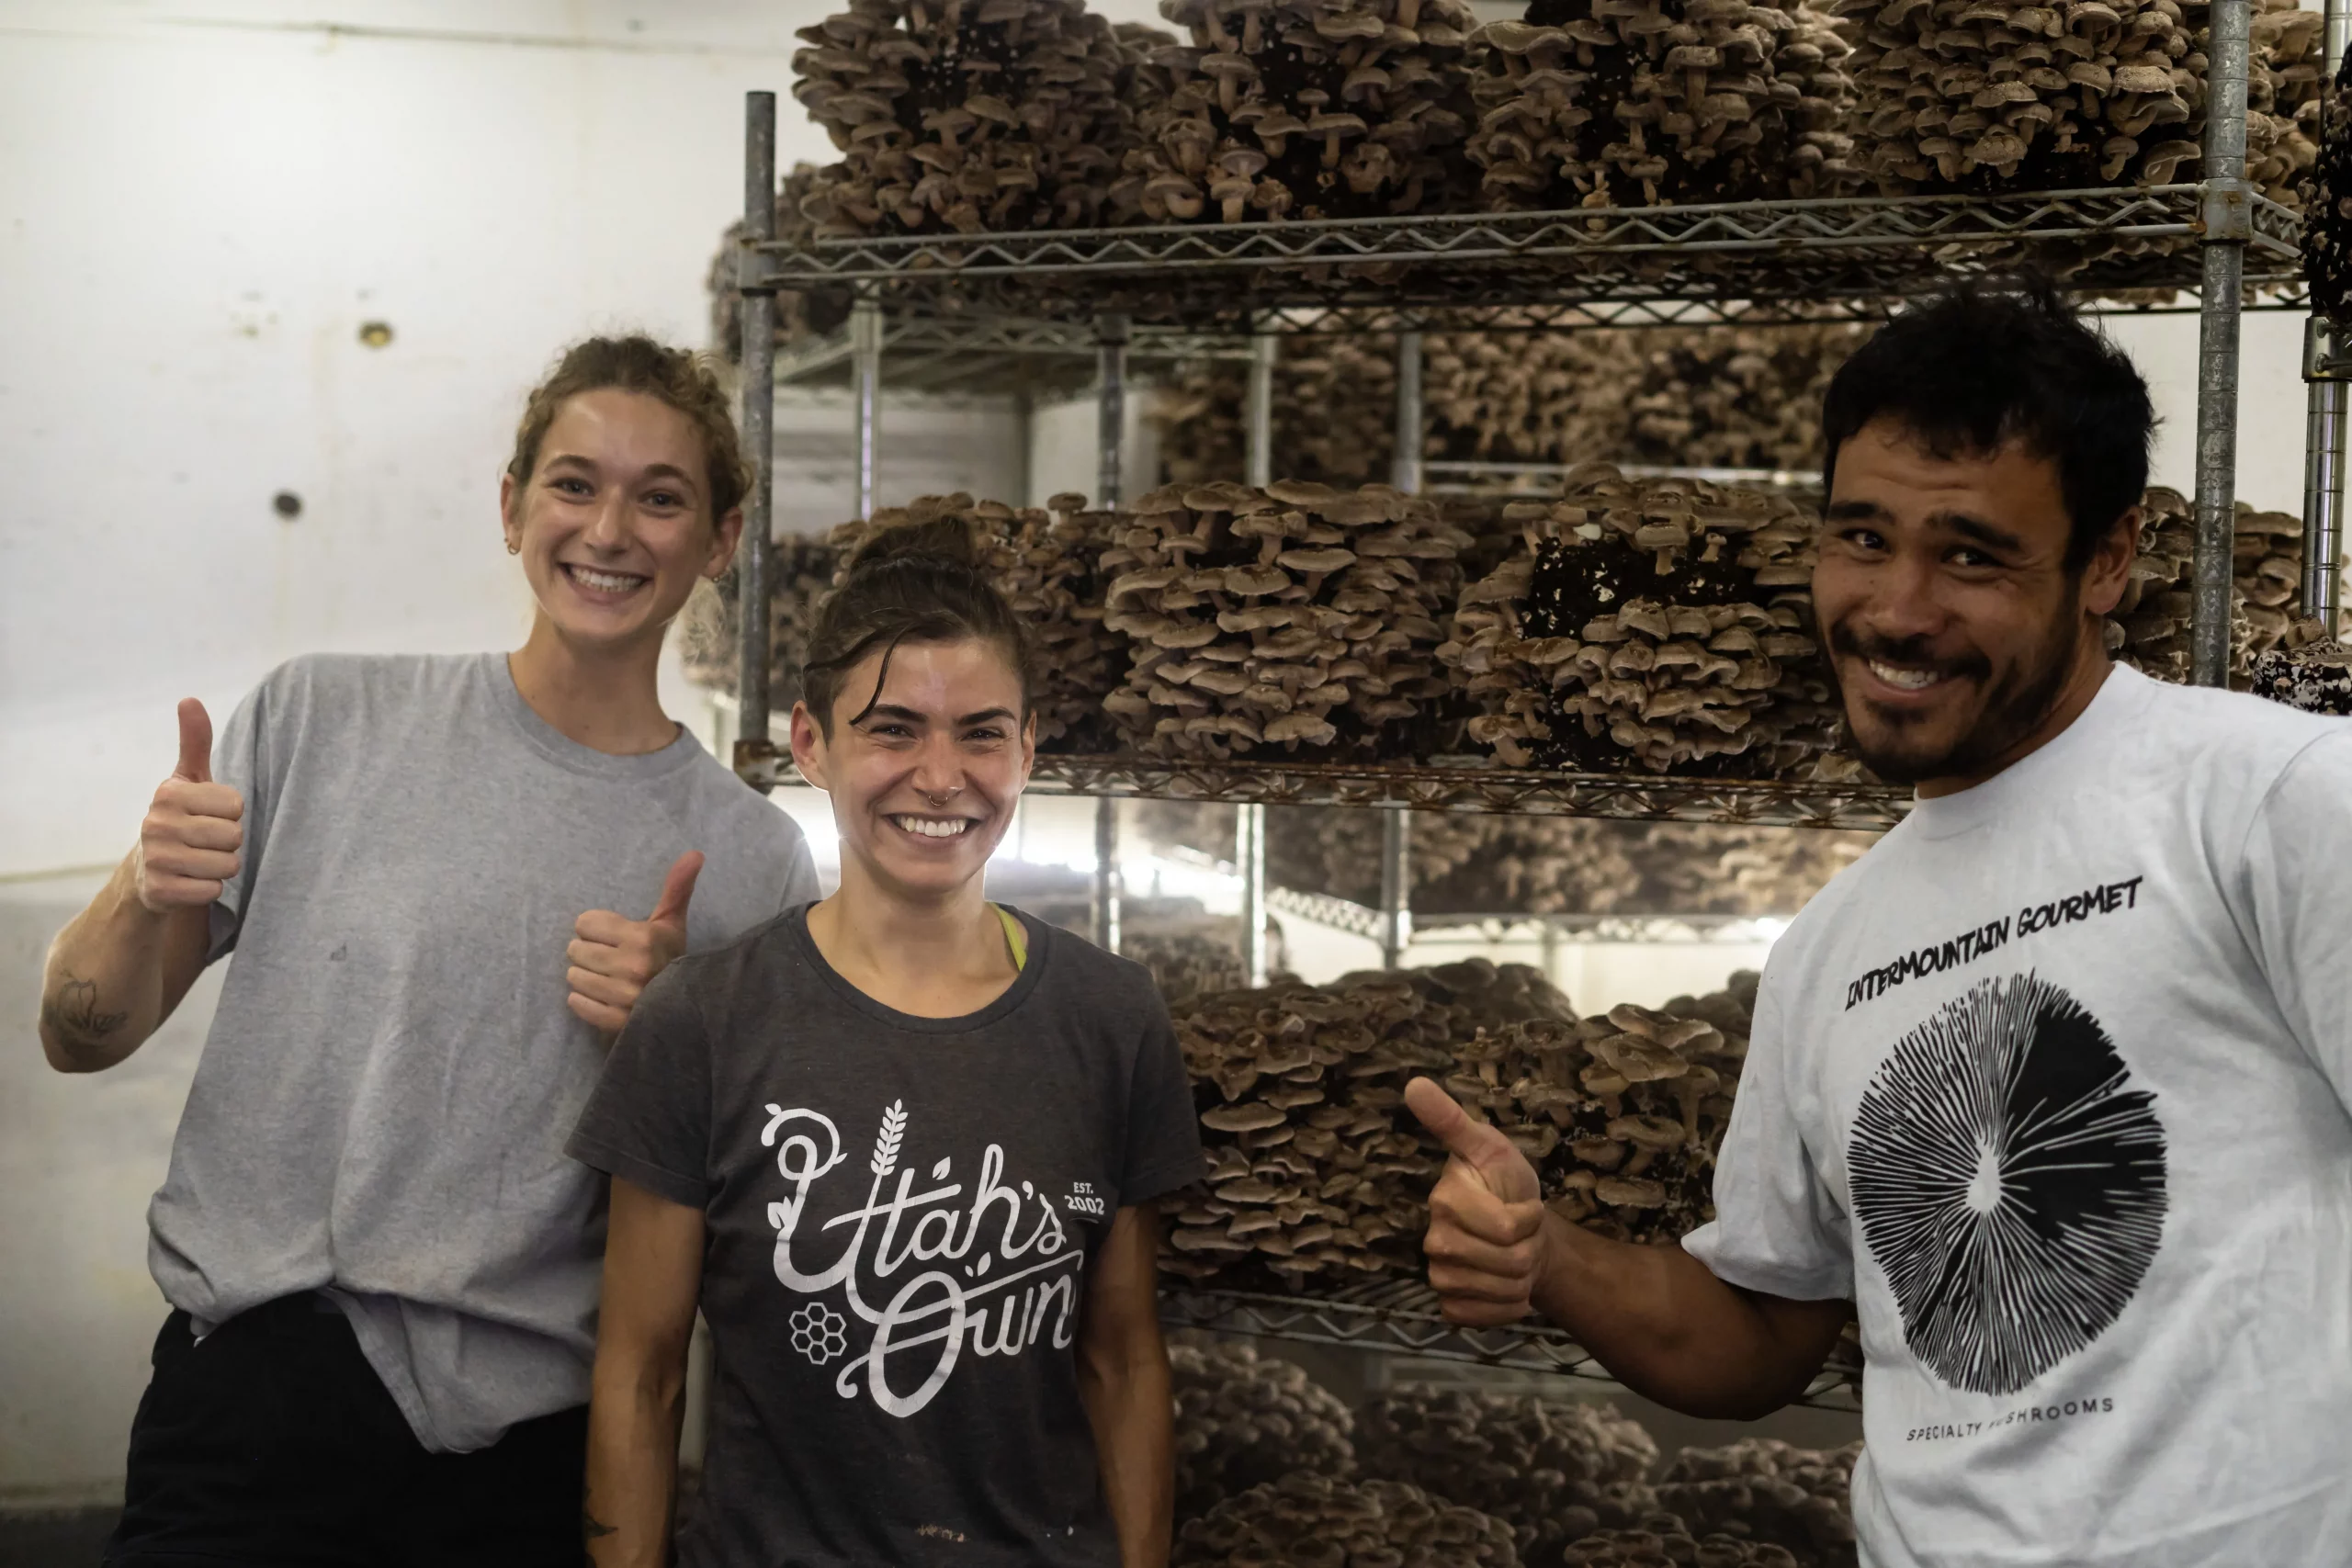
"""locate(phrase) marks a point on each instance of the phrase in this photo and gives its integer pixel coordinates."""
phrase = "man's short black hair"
(1984, 364)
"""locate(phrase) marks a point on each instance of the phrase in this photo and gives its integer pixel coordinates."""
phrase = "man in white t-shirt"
(2052, 1085)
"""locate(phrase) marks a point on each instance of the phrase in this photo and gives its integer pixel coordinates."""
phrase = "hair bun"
(948, 541)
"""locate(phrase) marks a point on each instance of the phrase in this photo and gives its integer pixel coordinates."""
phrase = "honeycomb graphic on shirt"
(819, 1332)
(2010, 1183)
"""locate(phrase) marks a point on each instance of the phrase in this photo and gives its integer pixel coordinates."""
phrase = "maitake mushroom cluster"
(1243, 1420)
(1295, 617)
(1278, 109)
(1315, 1168)
(964, 116)
(1979, 94)
(1044, 562)
(1762, 1489)
(1622, 103)
(710, 631)
(1554, 1469)
(1660, 1548)
(1316, 1521)
(1649, 624)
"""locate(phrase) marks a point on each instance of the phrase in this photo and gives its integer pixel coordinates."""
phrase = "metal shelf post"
(866, 379)
(1249, 859)
(1397, 824)
(2327, 367)
(1250, 820)
(1111, 435)
(758, 317)
(2225, 200)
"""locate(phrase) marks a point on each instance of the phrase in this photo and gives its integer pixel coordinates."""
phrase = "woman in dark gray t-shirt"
(901, 1148)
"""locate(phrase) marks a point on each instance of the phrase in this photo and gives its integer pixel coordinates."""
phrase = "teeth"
(606, 581)
(935, 827)
(1906, 680)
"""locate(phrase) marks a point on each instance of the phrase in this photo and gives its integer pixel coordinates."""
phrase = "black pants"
(273, 1442)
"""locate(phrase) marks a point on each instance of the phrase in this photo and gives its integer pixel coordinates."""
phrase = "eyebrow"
(659, 471)
(1974, 529)
(906, 715)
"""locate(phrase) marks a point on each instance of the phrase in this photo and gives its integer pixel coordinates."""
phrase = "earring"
(513, 548)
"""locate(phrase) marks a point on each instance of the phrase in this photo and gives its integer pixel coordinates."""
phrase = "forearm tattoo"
(72, 1013)
(594, 1528)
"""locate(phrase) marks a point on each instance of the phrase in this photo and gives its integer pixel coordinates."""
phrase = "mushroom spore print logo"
(2009, 1181)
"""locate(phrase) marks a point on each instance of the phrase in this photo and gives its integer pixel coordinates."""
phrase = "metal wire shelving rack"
(994, 311)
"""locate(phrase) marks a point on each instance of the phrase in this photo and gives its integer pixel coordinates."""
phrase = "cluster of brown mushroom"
(2310, 671)
(1763, 1489)
(1702, 396)
(1621, 1114)
(964, 116)
(1315, 1168)
(1334, 413)
(1297, 616)
(1317, 1521)
(1638, 102)
(2327, 211)
(1243, 1419)
(1554, 1469)
(1275, 109)
(2286, 98)
(2150, 628)
(1975, 94)
(710, 635)
(1043, 560)
(1191, 953)
(1647, 623)
(1472, 862)
(799, 314)
(1660, 1548)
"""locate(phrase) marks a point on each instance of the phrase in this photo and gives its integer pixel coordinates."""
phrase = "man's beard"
(2013, 709)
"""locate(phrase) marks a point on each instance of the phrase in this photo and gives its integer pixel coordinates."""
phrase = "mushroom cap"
(1315, 560)
(1251, 1116)
(1256, 579)
(1303, 492)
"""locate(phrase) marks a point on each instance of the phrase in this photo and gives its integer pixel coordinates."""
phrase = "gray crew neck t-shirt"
(380, 1106)
(902, 1214)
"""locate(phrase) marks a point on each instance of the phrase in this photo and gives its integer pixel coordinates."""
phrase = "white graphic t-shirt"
(900, 1215)
(2053, 1084)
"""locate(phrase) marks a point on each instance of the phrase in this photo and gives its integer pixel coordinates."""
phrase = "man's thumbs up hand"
(1486, 1240)
(615, 958)
(193, 833)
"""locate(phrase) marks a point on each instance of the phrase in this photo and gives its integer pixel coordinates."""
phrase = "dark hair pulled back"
(915, 582)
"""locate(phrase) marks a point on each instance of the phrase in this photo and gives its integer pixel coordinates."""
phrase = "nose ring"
(941, 797)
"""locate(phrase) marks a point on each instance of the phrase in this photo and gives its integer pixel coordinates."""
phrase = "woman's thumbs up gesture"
(615, 958)
(194, 830)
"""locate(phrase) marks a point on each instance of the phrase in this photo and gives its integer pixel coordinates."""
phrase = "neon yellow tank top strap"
(1016, 935)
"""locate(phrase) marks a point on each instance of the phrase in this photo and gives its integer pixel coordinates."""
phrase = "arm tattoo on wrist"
(594, 1528)
(72, 1014)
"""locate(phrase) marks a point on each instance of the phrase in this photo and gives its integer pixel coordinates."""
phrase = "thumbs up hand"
(1485, 1241)
(190, 840)
(615, 958)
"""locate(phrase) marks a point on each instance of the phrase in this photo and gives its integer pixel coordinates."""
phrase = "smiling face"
(1957, 634)
(614, 522)
(923, 771)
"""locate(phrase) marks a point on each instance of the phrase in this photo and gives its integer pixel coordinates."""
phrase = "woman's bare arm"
(119, 967)
(652, 1280)
(1123, 1377)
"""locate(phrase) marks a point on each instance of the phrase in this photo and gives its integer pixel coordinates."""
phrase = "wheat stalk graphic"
(885, 1147)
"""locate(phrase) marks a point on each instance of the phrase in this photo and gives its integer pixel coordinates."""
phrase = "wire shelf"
(1401, 1318)
(1520, 791)
(968, 354)
(1680, 258)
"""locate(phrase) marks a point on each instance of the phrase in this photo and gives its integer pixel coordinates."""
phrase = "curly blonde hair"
(678, 377)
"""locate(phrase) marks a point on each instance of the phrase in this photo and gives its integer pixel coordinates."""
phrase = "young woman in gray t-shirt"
(444, 880)
(901, 1148)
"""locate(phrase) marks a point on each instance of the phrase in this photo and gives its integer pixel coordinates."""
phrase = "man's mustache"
(1911, 651)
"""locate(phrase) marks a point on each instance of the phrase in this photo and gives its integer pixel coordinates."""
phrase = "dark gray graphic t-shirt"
(900, 1213)
(2053, 1084)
